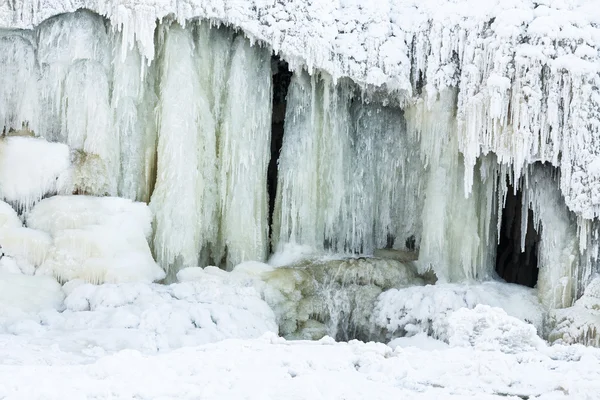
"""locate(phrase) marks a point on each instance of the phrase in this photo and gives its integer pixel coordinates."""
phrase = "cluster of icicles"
(190, 134)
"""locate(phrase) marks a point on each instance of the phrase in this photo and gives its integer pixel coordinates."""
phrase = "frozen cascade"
(181, 119)
(335, 297)
(244, 151)
(182, 201)
(212, 157)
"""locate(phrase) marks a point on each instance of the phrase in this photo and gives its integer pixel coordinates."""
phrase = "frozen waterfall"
(407, 146)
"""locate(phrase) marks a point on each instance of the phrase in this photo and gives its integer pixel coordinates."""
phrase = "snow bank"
(9, 217)
(428, 309)
(21, 295)
(134, 316)
(487, 328)
(96, 239)
(31, 168)
(272, 368)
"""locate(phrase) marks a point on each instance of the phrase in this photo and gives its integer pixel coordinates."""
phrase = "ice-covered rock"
(491, 329)
(22, 295)
(31, 168)
(427, 309)
(96, 239)
(579, 323)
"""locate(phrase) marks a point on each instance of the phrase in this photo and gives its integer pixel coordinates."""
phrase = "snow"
(28, 294)
(31, 168)
(271, 367)
(95, 239)
(427, 309)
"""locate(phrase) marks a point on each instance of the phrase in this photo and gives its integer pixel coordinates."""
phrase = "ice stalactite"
(182, 201)
(18, 85)
(244, 153)
(74, 58)
(132, 103)
(458, 234)
(313, 164)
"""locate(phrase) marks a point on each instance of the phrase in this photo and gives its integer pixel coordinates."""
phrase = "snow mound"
(28, 294)
(96, 239)
(31, 168)
(427, 309)
(29, 247)
(8, 217)
(491, 329)
(148, 317)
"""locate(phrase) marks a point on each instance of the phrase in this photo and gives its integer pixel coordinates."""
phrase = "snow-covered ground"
(269, 367)
(213, 336)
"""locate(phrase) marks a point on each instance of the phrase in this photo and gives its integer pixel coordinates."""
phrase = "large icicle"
(558, 253)
(314, 163)
(73, 54)
(133, 101)
(244, 152)
(457, 239)
(186, 153)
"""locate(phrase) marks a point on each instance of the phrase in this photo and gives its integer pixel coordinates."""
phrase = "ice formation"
(406, 125)
(98, 240)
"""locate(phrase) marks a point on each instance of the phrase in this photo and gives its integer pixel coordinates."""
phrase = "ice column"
(314, 163)
(458, 236)
(186, 154)
(73, 54)
(133, 101)
(558, 253)
(244, 152)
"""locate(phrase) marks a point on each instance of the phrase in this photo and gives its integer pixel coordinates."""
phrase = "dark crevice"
(512, 264)
(281, 82)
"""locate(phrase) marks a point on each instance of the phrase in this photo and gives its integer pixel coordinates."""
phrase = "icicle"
(244, 152)
(18, 82)
(133, 101)
(186, 150)
(558, 252)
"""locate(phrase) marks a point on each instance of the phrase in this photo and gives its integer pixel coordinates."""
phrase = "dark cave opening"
(281, 81)
(513, 264)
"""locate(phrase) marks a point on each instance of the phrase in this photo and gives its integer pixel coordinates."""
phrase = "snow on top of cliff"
(370, 42)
